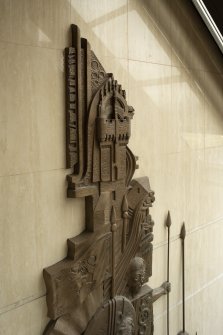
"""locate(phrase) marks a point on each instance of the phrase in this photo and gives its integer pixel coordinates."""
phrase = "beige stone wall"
(173, 74)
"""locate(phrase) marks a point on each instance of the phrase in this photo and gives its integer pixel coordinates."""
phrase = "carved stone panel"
(100, 287)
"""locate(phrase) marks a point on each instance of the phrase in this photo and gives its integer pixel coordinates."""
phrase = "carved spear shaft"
(168, 224)
(182, 236)
(113, 229)
(125, 221)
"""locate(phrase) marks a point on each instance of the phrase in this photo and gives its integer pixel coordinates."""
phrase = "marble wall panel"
(41, 23)
(146, 42)
(150, 94)
(35, 221)
(29, 318)
(105, 25)
(213, 110)
(32, 115)
(188, 110)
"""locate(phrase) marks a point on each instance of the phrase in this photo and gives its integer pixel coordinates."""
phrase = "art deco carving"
(101, 287)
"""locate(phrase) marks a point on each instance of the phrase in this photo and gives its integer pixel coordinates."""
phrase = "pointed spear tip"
(183, 232)
(168, 220)
(125, 204)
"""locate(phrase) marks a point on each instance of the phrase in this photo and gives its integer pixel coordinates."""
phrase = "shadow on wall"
(192, 46)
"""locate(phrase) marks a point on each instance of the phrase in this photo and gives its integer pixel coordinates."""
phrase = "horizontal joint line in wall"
(19, 303)
(190, 296)
(200, 227)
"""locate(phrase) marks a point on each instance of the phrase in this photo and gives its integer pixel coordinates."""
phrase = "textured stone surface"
(188, 178)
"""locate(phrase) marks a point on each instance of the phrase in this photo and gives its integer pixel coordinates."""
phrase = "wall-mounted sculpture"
(100, 288)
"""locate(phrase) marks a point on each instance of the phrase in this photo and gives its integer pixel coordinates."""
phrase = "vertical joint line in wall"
(128, 40)
(70, 11)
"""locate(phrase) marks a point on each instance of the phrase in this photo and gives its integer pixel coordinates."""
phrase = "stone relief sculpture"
(101, 286)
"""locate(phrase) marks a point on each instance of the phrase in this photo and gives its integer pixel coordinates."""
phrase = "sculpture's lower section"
(118, 316)
(100, 288)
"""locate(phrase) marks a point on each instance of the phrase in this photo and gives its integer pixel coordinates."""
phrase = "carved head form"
(126, 327)
(116, 317)
(136, 275)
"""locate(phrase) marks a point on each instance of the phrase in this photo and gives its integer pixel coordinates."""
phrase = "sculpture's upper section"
(98, 122)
